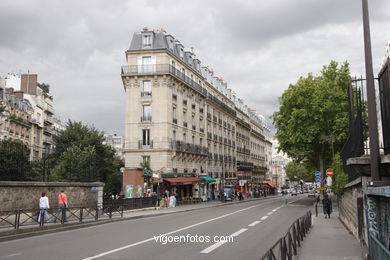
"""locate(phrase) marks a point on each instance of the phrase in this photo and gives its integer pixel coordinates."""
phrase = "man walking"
(327, 205)
(62, 205)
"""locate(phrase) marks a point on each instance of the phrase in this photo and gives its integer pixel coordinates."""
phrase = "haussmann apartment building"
(192, 131)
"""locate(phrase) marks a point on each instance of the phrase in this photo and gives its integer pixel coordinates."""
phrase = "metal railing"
(377, 249)
(287, 246)
(111, 209)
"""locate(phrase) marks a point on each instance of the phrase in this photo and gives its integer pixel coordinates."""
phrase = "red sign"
(329, 172)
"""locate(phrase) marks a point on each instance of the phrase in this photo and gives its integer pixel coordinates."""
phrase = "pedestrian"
(62, 205)
(327, 205)
(43, 208)
(172, 201)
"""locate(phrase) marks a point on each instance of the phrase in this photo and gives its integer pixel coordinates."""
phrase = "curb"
(36, 231)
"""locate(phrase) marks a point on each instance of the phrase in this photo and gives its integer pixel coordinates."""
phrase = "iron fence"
(15, 219)
(287, 246)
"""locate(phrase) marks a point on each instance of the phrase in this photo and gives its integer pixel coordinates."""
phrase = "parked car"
(294, 193)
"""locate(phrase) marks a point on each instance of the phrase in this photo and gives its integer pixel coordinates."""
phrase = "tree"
(313, 116)
(45, 89)
(14, 163)
(296, 171)
(81, 156)
(340, 179)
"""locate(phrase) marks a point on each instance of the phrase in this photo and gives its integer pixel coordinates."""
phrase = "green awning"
(148, 172)
(207, 178)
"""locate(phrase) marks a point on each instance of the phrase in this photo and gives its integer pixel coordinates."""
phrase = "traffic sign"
(329, 172)
(318, 179)
(317, 173)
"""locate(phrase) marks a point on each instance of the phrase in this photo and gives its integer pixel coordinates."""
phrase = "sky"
(258, 47)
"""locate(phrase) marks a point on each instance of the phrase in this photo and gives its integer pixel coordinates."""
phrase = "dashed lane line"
(264, 218)
(254, 223)
(218, 244)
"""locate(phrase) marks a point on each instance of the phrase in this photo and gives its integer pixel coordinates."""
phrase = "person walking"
(327, 205)
(62, 205)
(43, 208)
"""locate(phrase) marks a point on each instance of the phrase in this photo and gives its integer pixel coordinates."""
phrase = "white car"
(294, 193)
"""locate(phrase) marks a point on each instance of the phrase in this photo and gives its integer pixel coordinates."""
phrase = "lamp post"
(371, 99)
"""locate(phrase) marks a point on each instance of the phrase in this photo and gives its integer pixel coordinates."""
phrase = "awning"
(182, 180)
(269, 184)
(208, 178)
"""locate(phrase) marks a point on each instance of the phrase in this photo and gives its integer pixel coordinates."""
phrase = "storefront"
(269, 187)
(208, 188)
(182, 187)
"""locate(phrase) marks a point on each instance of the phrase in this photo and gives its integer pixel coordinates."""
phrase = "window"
(146, 160)
(146, 113)
(147, 64)
(174, 113)
(193, 139)
(174, 135)
(200, 141)
(184, 138)
(145, 137)
(146, 88)
(147, 40)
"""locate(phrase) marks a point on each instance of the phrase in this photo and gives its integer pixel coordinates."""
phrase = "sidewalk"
(329, 239)
(31, 230)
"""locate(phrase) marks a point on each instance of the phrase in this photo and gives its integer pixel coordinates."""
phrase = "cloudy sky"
(258, 47)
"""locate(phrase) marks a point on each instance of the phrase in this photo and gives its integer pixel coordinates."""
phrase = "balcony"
(220, 122)
(146, 118)
(162, 69)
(209, 136)
(201, 130)
(185, 124)
(48, 130)
(174, 120)
(215, 120)
(146, 94)
(216, 138)
(144, 145)
(189, 148)
(194, 127)
(49, 119)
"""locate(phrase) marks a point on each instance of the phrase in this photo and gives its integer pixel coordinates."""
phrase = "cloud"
(258, 47)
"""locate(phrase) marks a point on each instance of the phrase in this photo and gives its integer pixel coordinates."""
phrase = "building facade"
(184, 122)
(28, 115)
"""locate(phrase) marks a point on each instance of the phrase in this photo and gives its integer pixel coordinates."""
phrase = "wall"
(25, 195)
(348, 207)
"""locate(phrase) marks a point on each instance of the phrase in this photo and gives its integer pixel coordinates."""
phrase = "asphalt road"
(253, 226)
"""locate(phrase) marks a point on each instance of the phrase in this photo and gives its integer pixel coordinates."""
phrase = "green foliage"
(81, 156)
(42, 168)
(77, 164)
(340, 179)
(14, 161)
(312, 109)
(296, 171)
(45, 89)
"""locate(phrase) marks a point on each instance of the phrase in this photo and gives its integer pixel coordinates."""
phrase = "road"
(254, 227)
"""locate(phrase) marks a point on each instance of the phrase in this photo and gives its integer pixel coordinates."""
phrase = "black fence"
(15, 219)
(384, 94)
(287, 246)
(354, 146)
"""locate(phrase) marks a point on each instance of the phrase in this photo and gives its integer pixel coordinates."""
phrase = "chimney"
(19, 94)
(29, 84)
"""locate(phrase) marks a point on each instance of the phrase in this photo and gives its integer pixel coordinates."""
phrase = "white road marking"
(242, 230)
(254, 223)
(218, 244)
(270, 213)
(264, 218)
(166, 234)
(296, 200)
(8, 256)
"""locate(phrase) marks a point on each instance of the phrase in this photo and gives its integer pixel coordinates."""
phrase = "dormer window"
(181, 53)
(147, 41)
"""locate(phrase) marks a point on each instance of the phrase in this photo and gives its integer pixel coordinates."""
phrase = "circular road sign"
(329, 172)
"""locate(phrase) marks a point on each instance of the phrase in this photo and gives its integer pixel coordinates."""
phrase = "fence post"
(96, 213)
(81, 215)
(283, 249)
(110, 211)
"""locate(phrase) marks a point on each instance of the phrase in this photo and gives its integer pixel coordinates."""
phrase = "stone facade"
(25, 195)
